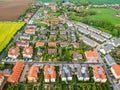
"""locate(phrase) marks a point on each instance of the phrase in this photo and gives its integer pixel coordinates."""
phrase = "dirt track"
(12, 9)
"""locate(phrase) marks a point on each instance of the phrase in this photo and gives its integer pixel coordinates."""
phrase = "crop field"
(12, 9)
(7, 32)
(90, 1)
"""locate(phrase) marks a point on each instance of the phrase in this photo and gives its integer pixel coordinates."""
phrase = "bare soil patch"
(12, 9)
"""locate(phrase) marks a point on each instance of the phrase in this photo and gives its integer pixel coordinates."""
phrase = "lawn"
(106, 14)
(7, 32)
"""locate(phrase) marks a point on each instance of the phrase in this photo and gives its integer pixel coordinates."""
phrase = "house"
(28, 52)
(6, 72)
(62, 32)
(1, 79)
(49, 73)
(82, 25)
(65, 72)
(109, 60)
(40, 44)
(33, 25)
(15, 75)
(79, 8)
(69, 24)
(99, 74)
(68, 4)
(52, 44)
(30, 31)
(26, 19)
(116, 42)
(91, 56)
(89, 41)
(83, 31)
(107, 48)
(32, 74)
(29, 14)
(54, 7)
(63, 37)
(13, 52)
(52, 51)
(22, 43)
(106, 35)
(52, 37)
(77, 56)
(53, 32)
(25, 36)
(64, 44)
(82, 73)
(50, 22)
(75, 45)
(115, 69)
(45, 12)
(94, 30)
(97, 37)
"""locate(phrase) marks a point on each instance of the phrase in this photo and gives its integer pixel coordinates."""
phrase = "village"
(54, 53)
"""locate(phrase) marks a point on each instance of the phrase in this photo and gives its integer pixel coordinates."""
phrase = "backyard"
(7, 32)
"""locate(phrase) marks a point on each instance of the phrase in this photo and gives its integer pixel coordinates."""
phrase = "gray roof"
(108, 47)
(66, 71)
(97, 37)
(25, 36)
(24, 73)
(116, 42)
(106, 35)
(110, 60)
(84, 31)
(82, 25)
(94, 30)
(89, 41)
(82, 71)
(63, 74)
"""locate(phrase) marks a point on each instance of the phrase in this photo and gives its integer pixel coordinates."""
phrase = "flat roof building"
(110, 60)
(89, 41)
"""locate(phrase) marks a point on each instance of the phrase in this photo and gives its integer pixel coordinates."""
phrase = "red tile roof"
(52, 44)
(13, 51)
(52, 51)
(39, 44)
(91, 53)
(116, 69)
(28, 50)
(22, 43)
(47, 75)
(99, 72)
(17, 69)
(75, 45)
(30, 30)
(33, 72)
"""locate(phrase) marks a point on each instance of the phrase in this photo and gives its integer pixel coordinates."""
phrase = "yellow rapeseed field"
(7, 32)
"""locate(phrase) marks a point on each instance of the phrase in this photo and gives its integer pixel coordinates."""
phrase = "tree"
(2, 66)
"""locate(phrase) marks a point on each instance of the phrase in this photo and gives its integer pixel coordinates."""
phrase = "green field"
(90, 1)
(106, 14)
(7, 32)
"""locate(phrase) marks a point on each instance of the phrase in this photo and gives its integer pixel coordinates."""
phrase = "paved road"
(55, 63)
